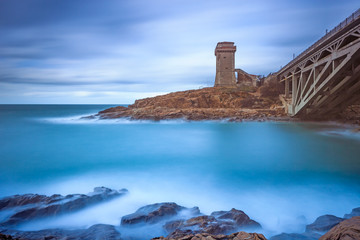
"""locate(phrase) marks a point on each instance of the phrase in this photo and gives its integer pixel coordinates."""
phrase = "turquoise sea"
(282, 174)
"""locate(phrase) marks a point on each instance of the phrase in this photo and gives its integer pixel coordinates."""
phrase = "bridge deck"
(325, 77)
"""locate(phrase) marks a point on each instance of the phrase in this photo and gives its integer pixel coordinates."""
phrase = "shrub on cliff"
(272, 88)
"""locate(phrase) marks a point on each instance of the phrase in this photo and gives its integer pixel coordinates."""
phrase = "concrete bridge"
(325, 78)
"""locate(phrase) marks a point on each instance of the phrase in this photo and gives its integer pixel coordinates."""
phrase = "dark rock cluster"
(22, 208)
(155, 213)
(178, 222)
(220, 222)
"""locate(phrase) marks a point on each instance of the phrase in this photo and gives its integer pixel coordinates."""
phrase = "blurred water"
(283, 175)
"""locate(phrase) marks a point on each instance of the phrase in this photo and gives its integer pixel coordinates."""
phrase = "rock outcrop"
(21, 208)
(346, 230)
(179, 221)
(157, 212)
(221, 222)
(213, 103)
(323, 223)
(350, 114)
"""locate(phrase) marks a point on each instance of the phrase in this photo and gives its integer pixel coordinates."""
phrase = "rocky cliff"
(214, 103)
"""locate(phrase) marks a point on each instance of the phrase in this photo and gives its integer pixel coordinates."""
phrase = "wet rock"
(346, 230)
(26, 199)
(33, 206)
(323, 223)
(205, 236)
(221, 222)
(95, 232)
(354, 213)
(240, 218)
(156, 212)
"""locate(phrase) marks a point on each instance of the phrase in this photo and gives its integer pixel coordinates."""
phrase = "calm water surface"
(283, 175)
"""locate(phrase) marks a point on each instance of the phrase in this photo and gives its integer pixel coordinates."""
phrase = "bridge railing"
(355, 15)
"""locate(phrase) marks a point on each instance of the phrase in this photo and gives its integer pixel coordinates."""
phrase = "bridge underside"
(327, 80)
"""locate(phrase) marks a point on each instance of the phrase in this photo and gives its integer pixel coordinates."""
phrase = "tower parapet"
(225, 64)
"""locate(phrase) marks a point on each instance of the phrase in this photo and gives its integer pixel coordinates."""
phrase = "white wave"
(90, 119)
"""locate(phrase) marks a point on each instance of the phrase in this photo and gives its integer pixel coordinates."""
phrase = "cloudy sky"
(115, 51)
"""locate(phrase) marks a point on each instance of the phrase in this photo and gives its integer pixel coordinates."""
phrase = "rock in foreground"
(221, 222)
(179, 221)
(157, 212)
(212, 103)
(205, 236)
(22, 208)
(346, 230)
(95, 232)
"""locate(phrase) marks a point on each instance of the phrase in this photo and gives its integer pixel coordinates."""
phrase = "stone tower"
(225, 64)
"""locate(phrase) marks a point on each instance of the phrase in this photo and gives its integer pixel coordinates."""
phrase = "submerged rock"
(27, 207)
(346, 230)
(156, 212)
(323, 223)
(206, 236)
(95, 232)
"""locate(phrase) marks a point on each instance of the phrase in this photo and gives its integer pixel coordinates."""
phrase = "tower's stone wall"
(225, 64)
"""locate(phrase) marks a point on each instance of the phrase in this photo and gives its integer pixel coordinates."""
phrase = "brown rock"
(220, 222)
(155, 213)
(346, 230)
(33, 206)
(208, 103)
(204, 236)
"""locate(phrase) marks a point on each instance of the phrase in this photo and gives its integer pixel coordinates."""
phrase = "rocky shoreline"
(213, 103)
(175, 221)
(232, 104)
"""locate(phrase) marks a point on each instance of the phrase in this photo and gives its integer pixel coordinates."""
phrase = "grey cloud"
(144, 46)
(72, 82)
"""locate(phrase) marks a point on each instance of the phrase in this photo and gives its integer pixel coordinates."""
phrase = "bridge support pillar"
(294, 90)
(287, 93)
